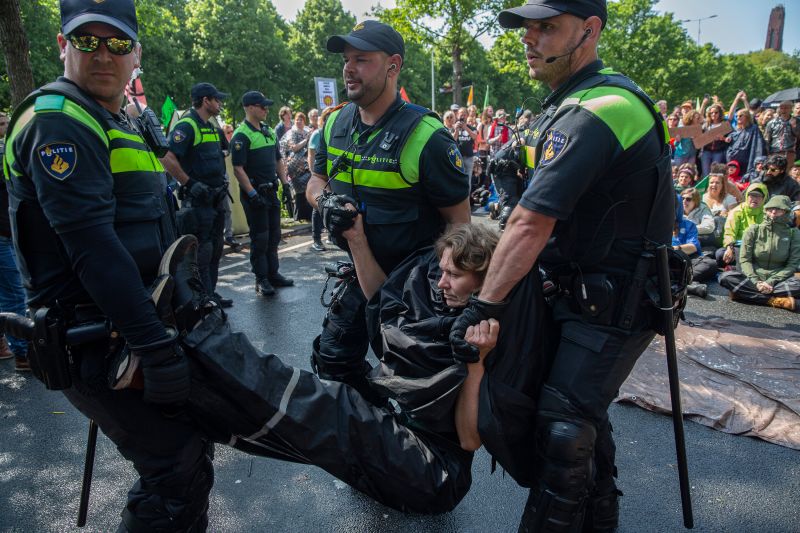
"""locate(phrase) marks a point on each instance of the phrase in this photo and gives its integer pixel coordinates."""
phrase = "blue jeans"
(707, 157)
(12, 297)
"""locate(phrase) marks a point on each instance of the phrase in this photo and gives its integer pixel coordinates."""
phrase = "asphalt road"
(739, 484)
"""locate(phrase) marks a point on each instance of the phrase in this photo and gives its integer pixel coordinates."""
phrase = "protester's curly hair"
(471, 245)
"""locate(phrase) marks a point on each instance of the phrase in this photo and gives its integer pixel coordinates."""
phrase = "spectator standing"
(685, 151)
(449, 120)
(465, 136)
(484, 127)
(781, 132)
(746, 142)
(662, 108)
(295, 143)
(713, 152)
(499, 133)
(769, 258)
(313, 146)
(313, 119)
(764, 118)
(284, 122)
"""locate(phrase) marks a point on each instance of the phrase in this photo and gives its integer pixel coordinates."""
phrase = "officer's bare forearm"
(243, 179)
(370, 275)
(523, 240)
(457, 214)
(315, 187)
(174, 168)
(466, 415)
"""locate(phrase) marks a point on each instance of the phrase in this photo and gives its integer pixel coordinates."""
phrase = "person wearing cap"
(91, 222)
(396, 164)
(600, 195)
(196, 160)
(741, 217)
(769, 258)
(257, 164)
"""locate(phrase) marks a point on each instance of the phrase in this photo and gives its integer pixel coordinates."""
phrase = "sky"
(740, 25)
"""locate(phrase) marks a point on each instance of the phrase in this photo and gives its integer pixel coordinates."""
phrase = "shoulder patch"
(58, 159)
(455, 158)
(237, 145)
(554, 143)
(178, 136)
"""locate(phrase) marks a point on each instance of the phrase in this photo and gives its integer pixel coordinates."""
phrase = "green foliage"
(318, 20)
(240, 45)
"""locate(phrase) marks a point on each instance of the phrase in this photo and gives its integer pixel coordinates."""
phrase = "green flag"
(486, 98)
(167, 110)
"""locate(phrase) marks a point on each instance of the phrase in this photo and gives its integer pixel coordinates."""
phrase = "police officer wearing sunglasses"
(91, 222)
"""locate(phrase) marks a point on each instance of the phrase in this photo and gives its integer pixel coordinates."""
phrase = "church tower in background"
(775, 29)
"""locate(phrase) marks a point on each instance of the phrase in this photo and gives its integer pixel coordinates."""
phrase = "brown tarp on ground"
(735, 378)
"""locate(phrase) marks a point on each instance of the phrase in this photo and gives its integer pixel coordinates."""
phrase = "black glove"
(199, 191)
(335, 216)
(475, 312)
(165, 370)
(257, 201)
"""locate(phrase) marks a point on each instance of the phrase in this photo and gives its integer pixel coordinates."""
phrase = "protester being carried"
(769, 258)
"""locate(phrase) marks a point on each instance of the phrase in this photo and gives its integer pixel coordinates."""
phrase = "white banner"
(327, 95)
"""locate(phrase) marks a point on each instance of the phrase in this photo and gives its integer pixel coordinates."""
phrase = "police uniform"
(600, 166)
(91, 220)
(196, 144)
(257, 151)
(399, 173)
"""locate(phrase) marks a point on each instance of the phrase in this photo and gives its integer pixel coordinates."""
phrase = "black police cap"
(120, 14)
(370, 36)
(206, 90)
(255, 98)
(544, 9)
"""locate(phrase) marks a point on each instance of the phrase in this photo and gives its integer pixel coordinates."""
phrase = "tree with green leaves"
(449, 25)
(318, 20)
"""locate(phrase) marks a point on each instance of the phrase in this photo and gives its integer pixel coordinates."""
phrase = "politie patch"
(554, 144)
(455, 158)
(178, 136)
(237, 145)
(58, 159)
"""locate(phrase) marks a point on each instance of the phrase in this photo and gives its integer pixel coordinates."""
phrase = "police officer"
(91, 221)
(397, 164)
(600, 195)
(257, 163)
(196, 160)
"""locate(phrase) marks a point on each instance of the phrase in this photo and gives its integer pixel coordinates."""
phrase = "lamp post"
(699, 21)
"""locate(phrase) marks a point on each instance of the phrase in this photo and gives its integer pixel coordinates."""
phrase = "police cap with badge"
(121, 14)
(256, 98)
(370, 36)
(206, 90)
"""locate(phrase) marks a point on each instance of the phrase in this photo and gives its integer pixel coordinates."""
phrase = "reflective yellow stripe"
(117, 134)
(336, 152)
(78, 113)
(209, 138)
(530, 156)
(132, 160)
(376, 179)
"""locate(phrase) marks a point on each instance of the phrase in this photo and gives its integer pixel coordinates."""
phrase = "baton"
(665, 293)
(88, 468)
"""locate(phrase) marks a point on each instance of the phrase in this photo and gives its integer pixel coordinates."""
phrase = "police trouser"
(511, 184)
(256, 403)
(171, 456)
(339, 352)
(207, 223)
(575, 447)
(265, 235)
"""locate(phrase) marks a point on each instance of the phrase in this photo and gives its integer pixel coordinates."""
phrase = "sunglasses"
(90, 43)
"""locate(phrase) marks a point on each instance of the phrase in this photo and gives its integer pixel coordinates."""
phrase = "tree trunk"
(458, 68)
(14, 43)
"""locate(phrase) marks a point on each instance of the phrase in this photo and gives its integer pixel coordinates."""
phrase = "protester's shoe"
(186, 294)
(784, 302)
(5, 351)
(697, 289)
(222, 301)
(318, 246)
(329, 240)
(264, 288)
(21, 364)
(232, 242)
(279, 281)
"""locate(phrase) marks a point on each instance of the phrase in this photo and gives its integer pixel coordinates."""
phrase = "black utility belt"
(604, 299)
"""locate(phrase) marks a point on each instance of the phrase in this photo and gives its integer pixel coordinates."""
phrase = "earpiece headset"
(586, 35)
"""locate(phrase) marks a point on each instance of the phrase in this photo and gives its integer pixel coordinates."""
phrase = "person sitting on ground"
(741, 217)
(730, 187)
(686, 176)
(684, 238)
(735, 176)
(699, 213)
(777, 181)
(716, 197)
(769, 258)
(756, 173)
(795, 172)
